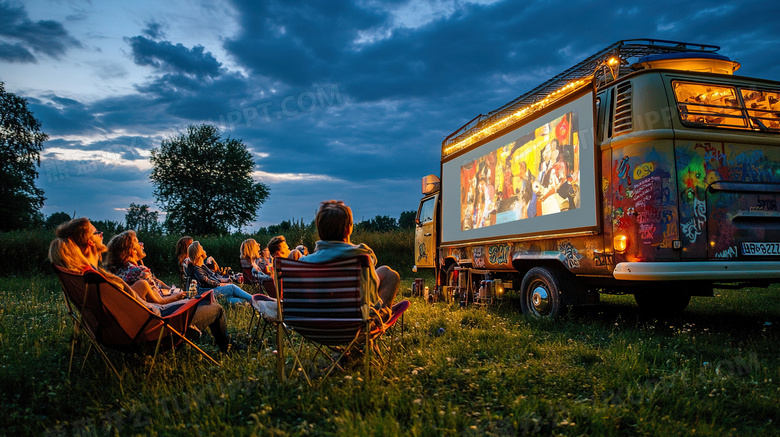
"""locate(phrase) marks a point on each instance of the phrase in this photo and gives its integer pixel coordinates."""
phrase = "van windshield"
(715, 105)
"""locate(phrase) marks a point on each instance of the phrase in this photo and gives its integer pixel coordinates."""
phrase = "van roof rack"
(596, 65)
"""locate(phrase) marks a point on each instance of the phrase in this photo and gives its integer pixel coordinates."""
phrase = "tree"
(380, 223)
(140, 218)
(56, 219)
(21, 142)
(108, 227)
(407, 220)
(204, 183)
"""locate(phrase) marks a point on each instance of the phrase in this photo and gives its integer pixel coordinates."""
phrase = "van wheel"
(659, 302)
(541, 293)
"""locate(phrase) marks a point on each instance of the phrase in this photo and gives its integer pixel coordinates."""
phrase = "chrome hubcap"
(540, 299)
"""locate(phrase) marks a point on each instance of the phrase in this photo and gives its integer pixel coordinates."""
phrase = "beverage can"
(193, 289)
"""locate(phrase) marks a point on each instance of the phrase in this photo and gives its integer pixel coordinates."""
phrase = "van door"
(425, 233)
(728, 165)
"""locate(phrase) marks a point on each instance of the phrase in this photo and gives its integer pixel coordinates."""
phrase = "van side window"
(723, 106)
(599, 119)
(611, 116)
(426, 211)
(763, 108)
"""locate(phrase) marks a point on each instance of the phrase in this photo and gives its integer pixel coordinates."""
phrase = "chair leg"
(156, 349)
(262, 334)
(298, 361)
(253, 336)
(86, 355)
(201, 351)
(282, 333)
(72, 352)
(249, 331)
(251, 321)
(107, 361)
(279, 352)
(343, 353)
(369, 351)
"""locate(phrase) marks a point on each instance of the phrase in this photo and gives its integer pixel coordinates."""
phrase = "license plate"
(761, 249)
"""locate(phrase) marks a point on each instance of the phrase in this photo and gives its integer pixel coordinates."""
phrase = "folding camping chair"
(113, 318)
(325, 305)
(250, 278)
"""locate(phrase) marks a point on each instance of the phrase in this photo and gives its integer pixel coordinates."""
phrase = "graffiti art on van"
(499, 254)
(692, 228)
(478, 257)
(570, 254)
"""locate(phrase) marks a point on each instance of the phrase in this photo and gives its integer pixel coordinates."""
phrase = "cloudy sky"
(335, 99)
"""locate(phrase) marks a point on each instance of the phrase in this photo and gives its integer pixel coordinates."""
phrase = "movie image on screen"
(536, 175)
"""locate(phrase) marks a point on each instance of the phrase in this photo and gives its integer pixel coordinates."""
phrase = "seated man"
(334, 226)
(279, 249)
(79, 248)
(123, 259)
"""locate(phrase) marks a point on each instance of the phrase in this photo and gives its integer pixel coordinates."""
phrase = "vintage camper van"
(649, 168)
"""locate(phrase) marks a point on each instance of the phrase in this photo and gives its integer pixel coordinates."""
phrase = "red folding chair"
(114, 319)
(325, 305)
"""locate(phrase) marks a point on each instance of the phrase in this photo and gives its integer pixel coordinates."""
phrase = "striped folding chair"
(325, 305)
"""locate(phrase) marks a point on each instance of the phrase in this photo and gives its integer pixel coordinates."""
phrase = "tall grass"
(600, 371)
(25, 252)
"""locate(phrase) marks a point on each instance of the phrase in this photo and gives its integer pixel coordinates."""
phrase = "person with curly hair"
(125, 253)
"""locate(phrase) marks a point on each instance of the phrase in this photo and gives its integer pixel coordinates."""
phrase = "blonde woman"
(251, 258)
(208, 280)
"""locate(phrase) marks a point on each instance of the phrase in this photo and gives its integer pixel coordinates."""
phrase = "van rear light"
(620, 242)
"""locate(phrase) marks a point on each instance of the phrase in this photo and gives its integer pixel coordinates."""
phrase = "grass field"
(600, 371)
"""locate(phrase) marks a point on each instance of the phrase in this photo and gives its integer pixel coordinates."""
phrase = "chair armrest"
(189, 304)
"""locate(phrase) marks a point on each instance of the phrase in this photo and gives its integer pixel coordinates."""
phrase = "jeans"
(232, 292)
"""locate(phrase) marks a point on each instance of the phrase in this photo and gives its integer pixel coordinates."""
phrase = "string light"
(516, 116)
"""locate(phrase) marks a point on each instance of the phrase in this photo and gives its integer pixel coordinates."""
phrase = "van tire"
(540, 293)
(657, 302)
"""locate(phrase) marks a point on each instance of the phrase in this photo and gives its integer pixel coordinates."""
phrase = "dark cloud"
(63, 116)
(15, 53)
(299, 43)
(47, 37)
(193, 86)
(174, 58)
(154, 30)
(501, 49)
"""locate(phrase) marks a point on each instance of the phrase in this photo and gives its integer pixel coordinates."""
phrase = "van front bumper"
(697, 270)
